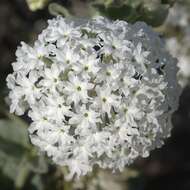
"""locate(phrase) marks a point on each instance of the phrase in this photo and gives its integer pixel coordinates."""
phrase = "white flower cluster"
(98, 92)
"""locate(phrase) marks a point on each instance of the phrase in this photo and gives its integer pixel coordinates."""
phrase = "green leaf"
(153, 12)
(23, 172)
(38, 164)
(11, 149)
(18, 159)
(114, 12)
(14, 131)
(9, 167)
(154, 15)
(37, 182)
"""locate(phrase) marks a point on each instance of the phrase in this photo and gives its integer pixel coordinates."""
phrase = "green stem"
(23, 174)
(56, 9)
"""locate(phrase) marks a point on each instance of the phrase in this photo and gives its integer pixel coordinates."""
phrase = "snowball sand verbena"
(97, 91)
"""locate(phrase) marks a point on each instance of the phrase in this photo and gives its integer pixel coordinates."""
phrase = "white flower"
(40, 121)
(105, 99)
(110, 73)
(64, 56)
(56, 107)
(140, 55)
(95, 93)
(89, 64)
(77, 89)
(60, 31)
(50, 77)
(29, 58)
(85, 119)
(78, 167)
(130, 114)
(127, 133)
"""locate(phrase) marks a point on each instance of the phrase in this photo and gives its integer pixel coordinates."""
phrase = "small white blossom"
(97, 92)
(140, 55)
(85, 119)
(105, 99)
(77, 89)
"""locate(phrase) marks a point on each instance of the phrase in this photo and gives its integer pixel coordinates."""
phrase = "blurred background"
(22, 167)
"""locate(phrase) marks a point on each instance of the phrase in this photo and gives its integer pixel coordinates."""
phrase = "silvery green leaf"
(37, 182)
(14, 131)
(38, 164)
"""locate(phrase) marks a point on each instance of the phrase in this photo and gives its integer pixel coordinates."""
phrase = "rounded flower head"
(97, 91)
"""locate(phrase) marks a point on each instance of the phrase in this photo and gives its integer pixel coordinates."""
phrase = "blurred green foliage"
(35, 5)
(153, 12)
(18, 158)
